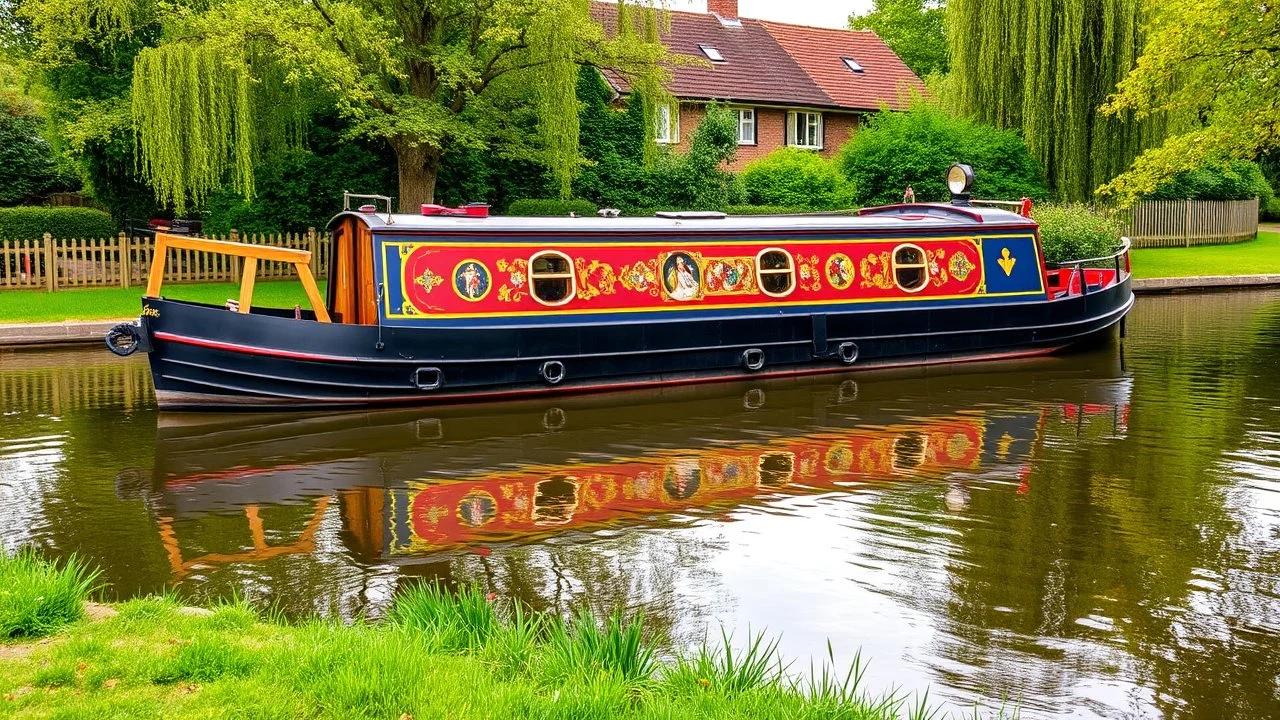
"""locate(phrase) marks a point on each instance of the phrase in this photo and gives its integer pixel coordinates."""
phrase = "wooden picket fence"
(54, 264)
(1183, 223)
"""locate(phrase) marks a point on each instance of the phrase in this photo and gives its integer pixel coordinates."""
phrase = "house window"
(712, 54)
(910, 268)
(747, 126)
(776, 272)
(852, 64)
(804, 129)
(668, 125)
(551, 280)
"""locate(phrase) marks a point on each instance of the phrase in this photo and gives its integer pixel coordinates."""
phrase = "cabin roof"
(925, 217)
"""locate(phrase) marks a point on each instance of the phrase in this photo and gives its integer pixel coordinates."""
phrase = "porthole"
(910, 268)
(776, 271)
(551, 280)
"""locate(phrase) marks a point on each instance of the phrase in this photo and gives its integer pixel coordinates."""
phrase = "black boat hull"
(205, 357)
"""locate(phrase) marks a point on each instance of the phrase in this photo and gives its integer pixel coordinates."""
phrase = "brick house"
(793, 85)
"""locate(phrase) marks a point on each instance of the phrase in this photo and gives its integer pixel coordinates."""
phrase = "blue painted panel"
(391, 261)
(1012, 264)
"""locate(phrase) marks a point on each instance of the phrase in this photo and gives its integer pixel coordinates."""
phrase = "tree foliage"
(30, 169)
(897, 149)
(795, 178)
(1217, 61)
(215, 96)
(1239, 180)
(914, 29)
(625, 170)
(1044, 67)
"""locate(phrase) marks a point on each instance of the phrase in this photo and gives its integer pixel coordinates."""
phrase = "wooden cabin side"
(352, 295)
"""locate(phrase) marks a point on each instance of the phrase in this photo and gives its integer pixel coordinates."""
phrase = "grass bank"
(38, 306)
(436, 655)
(1260, 256)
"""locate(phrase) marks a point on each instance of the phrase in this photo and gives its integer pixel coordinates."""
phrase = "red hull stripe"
(251, 350)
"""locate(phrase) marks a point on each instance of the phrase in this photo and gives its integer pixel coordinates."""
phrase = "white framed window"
(551, 279)
(852, 64)
(776, 271)
(910, 268)
(746, 126)
(804, 129)
(667, 131)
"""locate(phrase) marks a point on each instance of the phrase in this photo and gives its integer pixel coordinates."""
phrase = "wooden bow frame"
(300, 259)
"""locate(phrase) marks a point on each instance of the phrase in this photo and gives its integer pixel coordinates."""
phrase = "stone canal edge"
(89, 332)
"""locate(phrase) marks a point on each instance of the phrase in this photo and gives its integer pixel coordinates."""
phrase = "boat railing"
(1078, 266)
(251, 254)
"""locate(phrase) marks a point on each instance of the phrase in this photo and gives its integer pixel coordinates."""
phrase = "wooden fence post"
(315, 251)
(122, 260)
(50, 270)
(236, 260)
(1187, 234)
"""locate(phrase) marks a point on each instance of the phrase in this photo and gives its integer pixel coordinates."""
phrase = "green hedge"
(31, 223)
(1074, 232)
(550, 208)
(795, 178)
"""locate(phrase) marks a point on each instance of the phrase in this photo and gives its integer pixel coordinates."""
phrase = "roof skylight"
(712, 54)
(852, 64)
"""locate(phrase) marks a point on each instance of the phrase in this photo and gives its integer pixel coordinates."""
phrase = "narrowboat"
(452, 305)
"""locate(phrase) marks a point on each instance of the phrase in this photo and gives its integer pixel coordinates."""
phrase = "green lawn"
(17, 306)
(1256, 257)
(464, 656)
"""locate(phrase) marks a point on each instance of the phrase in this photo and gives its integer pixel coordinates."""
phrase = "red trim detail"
(251, 350)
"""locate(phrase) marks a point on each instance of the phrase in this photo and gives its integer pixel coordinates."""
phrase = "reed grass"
(40, 596)
(437, 654)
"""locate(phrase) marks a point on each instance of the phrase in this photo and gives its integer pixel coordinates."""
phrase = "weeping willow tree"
(224, 85)
(1045, 67)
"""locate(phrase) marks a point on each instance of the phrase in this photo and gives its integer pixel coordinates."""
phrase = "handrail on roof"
(300, 259)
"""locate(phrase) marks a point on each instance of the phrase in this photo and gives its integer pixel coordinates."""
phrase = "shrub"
(1074, 232)
(30, 167)
(550, 208)
(1239, 180)
(795, 178)
(1271, 212)
(31, 223)
(39, 596)
(915, 148)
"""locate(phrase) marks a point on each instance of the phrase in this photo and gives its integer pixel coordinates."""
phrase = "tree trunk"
(418, 166)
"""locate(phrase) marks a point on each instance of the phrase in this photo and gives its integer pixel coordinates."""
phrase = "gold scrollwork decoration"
(514, 289)
(595, 278)
(876, 271)
(642, 277)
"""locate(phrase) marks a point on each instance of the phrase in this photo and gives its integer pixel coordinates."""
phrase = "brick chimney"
(727, 9)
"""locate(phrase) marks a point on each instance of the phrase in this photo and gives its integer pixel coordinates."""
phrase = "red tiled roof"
(777, 63)
(885, 79)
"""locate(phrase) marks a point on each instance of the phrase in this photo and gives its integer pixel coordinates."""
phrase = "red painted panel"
(489, 279)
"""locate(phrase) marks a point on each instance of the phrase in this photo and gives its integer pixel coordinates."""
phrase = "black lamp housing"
(960, 183)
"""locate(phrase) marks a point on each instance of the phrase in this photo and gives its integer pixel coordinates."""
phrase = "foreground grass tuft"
(437, 654)
(39, 596)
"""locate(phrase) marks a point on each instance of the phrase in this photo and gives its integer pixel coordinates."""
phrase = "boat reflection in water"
(412, 486)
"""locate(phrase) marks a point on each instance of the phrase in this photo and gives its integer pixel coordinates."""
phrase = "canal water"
(1088, 536)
